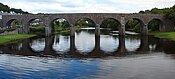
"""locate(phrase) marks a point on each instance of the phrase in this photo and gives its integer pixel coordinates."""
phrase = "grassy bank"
(168, 35)
(9, 38)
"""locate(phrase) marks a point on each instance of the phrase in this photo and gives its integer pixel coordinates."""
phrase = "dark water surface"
(87, 56)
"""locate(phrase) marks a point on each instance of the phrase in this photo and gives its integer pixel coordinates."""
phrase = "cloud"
(143, 4)
(87, 6)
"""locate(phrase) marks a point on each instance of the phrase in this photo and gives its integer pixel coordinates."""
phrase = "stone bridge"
(97, 18)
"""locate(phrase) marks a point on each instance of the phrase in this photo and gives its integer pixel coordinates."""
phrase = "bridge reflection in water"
(107, 56)
(24, 47)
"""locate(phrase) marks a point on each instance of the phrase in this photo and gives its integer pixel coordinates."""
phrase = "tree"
(171, 14)
(65, 24)
(133, 25)
(155, 11)
(85, 22)
(6, 8)
(110, 23)
(60, 25)
(154, 25)
(141, 12)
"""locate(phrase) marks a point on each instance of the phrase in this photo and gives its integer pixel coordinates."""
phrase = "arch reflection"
(61, 44)
(38, 45)
(51, 47)
(19, 48)
(96, 52)
(85, 41)
(108, 43)
(132, 43)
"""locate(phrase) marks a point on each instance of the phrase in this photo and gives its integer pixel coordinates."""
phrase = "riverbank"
(9, 38)
(168, 35)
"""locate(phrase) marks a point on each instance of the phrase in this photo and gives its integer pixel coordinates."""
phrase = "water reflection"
(122, 51)
(38, 44)
(99, 57)
(86, 44)
(132, 43)
(63, 45)
(144, 46)
(108, 43)
(85, 41)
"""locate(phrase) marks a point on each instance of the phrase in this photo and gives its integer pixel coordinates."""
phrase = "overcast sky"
(87, 6)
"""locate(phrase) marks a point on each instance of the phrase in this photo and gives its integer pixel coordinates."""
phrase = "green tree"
(110, 23)
(141, 12)
(65, 24)
(155, 11)
(171, 14)
(85, 22)
(60, 25)
(6, 8)
(154, 25)
(133, 25)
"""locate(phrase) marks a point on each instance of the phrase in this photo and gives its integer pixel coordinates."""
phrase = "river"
(87, 56)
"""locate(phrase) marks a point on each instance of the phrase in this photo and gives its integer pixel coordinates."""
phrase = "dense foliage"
(133, 25)
(154, 25)
(169, 12)
(60, 25)
(110, 23)
(6, 8)
(85, 22)
(37, 29)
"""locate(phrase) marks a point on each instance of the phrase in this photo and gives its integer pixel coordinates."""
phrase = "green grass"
(65, 30)
(9, 38)
(37, 27)
(168, 35)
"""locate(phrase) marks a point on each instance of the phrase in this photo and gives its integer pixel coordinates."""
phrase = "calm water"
(87, 56)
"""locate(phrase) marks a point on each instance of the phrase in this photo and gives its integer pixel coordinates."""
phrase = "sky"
(87, 6)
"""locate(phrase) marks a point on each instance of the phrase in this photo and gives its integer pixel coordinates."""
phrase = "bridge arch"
(35, 25)
(89, 26)
(38, 45)
(32, 19)
(112, 23)
(58, 24)
(135, 25)
(116, 18)
(86, 20)
(89, 19)
(9, 22)
(14, 25)
(155, 24)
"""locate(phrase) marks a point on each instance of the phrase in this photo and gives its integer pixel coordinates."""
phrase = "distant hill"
(6, 8)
